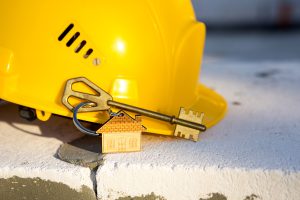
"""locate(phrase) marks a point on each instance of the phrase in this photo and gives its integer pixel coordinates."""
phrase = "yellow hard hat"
(144, 53)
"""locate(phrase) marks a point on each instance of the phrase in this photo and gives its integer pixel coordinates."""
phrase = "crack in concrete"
(93, 177)
(85, 152)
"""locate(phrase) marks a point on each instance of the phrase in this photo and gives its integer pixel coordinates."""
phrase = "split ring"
(78, 124)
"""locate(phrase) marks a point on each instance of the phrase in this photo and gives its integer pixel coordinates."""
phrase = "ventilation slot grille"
(73, 39)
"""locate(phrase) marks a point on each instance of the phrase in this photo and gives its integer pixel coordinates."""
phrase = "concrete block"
(28, 159)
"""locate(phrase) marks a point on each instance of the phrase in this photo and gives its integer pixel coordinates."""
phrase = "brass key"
(103, 101)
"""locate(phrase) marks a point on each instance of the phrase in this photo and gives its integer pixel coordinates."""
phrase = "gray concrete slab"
(251, 154)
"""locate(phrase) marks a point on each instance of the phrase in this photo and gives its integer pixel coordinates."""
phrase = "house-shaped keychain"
(122, 133)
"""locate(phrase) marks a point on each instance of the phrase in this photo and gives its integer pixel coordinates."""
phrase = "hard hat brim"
(209, 102)
(212, 104)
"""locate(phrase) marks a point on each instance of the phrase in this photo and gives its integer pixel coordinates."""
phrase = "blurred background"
(248, 14)
(251, 30)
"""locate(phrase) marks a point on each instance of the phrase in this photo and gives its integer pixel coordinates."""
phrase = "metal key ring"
(78, 124)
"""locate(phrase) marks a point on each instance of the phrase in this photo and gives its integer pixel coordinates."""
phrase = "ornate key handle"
(99, 104)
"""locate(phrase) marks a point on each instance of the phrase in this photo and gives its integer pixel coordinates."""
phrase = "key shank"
(156, 115)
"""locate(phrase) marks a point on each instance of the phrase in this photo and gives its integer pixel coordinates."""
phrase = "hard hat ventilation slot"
(63, 35)
(80, 46)
(88, 53)
(73, 38)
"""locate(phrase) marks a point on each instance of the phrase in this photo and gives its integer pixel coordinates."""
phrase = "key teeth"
(177, 133)
(188, 133)
(193, 137)
(191, 115)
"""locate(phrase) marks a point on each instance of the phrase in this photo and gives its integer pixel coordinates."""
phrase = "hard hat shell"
(143, 52)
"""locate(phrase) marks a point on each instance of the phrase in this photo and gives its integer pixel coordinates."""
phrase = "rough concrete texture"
(215, 196)
(37, 189)
(28, 150)
(151, 196)
(84, 151)
(252, 154)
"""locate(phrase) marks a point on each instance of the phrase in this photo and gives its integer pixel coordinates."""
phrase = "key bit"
(103, 101)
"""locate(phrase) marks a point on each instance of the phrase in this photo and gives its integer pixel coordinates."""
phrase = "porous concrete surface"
(28, 154)
(84, 151)
(252, 154)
